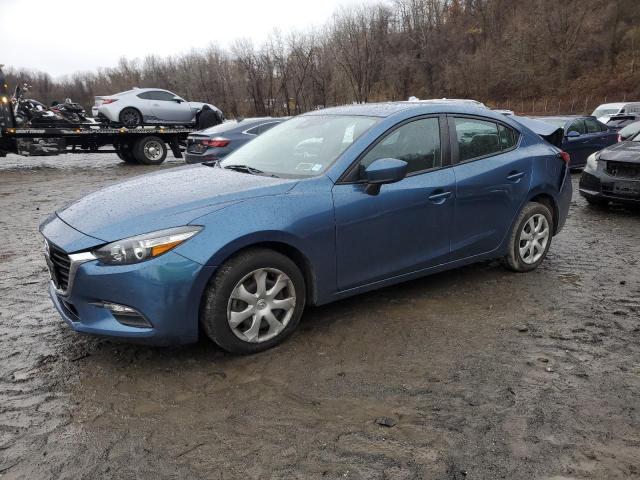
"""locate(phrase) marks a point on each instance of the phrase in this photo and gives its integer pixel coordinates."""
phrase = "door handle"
(515, 176)
(439, 196)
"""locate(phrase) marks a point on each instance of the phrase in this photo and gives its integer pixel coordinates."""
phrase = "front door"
(166, 109)
(406, 226)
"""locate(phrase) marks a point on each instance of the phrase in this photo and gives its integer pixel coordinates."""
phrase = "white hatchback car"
(146, 106)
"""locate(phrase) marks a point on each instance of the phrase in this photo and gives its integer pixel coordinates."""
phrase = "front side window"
(477, 138)
(157, 95)
(417, 143)
(304, 146)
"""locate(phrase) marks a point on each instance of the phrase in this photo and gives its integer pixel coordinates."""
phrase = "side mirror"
(382, 171)
(573, 134)
(177, 99)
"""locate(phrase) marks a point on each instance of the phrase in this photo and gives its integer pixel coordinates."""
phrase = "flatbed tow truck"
(146, 145)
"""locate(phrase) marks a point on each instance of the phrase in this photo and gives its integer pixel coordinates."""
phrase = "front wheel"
(254, 301)
(530, 238)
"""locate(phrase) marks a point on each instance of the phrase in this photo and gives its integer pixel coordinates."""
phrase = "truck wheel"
(150, 150)
(125, 153)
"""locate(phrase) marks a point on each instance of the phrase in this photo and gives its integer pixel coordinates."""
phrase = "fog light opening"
(126, 315)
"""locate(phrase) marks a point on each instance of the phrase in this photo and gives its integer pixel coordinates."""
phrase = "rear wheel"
(130, 117)
(150, 150)
(254, 301)
(530, 238)
(125, 153)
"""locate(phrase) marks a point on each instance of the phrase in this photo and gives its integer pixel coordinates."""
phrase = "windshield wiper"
(244, 168)
(248, 169)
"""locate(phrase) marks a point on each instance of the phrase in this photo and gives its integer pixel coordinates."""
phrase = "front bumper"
(166, 291)
(600, 185)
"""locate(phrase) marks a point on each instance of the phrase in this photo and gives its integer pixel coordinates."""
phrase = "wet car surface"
(474, 373)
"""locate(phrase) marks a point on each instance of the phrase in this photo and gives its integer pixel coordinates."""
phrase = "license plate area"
(626, 188)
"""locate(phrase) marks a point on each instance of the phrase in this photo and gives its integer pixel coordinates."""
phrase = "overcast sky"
(65, 36)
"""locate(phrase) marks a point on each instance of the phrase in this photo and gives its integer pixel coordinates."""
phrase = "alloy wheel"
(261, 305)
(534, 237)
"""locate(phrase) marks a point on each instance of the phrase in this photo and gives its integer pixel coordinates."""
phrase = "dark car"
(613, 174)
(324, 206)
(618, 122)
(582, 136)
(217, 142)
(628, 132)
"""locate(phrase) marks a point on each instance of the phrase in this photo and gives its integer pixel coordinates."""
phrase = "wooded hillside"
(564, 56)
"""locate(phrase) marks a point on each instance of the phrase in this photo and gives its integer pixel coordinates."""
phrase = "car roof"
(240, 124)
(386, 109)
(614, 105)
(562, 118)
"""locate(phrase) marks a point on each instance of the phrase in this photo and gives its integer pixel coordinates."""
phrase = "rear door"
(600, 136)
(492, 182)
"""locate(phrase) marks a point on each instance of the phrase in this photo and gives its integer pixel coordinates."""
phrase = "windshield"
(599, 112)
(304, 146)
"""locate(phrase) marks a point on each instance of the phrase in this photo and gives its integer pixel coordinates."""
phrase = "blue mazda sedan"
(327, 205)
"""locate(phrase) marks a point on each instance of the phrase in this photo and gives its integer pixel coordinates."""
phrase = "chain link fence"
(555, 106)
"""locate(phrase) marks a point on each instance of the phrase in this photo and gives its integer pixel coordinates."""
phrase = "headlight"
(144, 247)
(592, 161)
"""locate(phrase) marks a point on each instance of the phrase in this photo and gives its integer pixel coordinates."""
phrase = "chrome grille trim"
(64, 267)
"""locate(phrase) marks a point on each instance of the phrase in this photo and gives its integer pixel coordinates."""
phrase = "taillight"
(107, 101)
(619, 138)
(566, 158)
(216, 142)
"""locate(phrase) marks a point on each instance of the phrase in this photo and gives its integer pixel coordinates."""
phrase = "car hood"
(165, 199)
(199, 105)
(622, 152)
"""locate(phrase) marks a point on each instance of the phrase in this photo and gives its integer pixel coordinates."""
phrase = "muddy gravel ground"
(482, 373)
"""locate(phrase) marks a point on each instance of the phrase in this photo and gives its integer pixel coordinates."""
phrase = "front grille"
(60, 265)
(623, 170)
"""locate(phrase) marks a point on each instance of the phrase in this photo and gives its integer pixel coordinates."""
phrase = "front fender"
(301, 219)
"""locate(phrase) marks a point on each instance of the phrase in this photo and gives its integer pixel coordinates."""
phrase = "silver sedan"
(146, 106)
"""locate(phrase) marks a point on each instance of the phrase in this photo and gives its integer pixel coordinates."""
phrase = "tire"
(523, 255)
(125, 153)
(130, 117)
(150, 150)
(218, 306)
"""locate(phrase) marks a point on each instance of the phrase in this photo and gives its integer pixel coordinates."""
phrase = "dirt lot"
(485, 373)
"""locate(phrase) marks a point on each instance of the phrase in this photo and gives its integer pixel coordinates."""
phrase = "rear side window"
(257, 130)
(476, 138)
(577, 126)
(508, 137)
(417, 143)
(592, 125)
